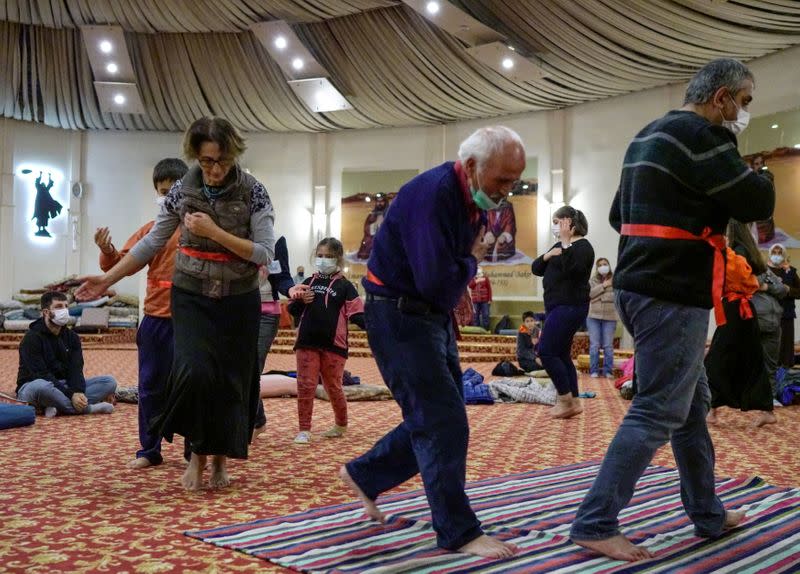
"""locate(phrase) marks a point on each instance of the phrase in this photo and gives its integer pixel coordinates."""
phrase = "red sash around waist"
(155, 283)
(208, 255)
(745, 311)
(373, 279)
(717, 243)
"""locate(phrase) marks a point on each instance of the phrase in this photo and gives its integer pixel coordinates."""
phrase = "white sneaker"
(303, 437)
(595, 375)
(50, 412)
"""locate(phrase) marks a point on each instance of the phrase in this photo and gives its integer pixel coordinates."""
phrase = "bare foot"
(617, 547)
(711, 417)
(489, 547)
(193, 475)
(370, 507)
(566, 407)
(733, 518)
(258, 431)
(765, 418)
(219, 472)
(140, 462)
(568, 413)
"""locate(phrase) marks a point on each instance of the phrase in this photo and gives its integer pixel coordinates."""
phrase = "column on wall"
(75, 194)
(6, 208)
(321, 203)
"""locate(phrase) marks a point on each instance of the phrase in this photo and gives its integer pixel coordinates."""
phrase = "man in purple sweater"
(424, 255)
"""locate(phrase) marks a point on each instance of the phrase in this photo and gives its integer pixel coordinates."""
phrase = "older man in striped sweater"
(682, 179)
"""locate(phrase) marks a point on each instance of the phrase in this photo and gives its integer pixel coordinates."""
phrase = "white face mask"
(161, 200)
(326, 265)
(776, 259)
(738, 125)
(556, 230)
(59, 317)
(603, 269)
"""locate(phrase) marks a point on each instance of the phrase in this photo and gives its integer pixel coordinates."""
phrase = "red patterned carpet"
(69, 504)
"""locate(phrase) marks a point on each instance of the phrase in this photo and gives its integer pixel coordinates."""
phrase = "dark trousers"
(267, 329)
(481, 314)
(555, 345)
(155, 342)
(786, 358)
(418, 359)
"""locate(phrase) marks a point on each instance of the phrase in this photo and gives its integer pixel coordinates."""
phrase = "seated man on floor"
(51, 366)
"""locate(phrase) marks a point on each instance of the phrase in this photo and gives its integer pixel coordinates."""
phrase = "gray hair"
(486, 142)
(721, 73)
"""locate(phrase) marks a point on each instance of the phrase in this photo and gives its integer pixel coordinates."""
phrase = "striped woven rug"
(534, 510)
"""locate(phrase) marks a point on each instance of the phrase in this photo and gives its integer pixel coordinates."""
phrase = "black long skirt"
(213, 390)
(737, 375)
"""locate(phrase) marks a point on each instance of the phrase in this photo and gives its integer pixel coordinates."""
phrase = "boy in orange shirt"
(154, 338)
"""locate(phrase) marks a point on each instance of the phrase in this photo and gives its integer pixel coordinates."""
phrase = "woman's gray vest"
(231, 212)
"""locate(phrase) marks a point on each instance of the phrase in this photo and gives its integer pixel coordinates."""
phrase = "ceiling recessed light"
(297, 64)
(432, 7)
(106, 47)
(508, 63)
(119, 99)
(774, 126)
(112, 68)
(280, 42)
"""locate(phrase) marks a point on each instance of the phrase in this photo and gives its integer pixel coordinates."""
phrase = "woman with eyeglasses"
(565, 269)
(226, 221)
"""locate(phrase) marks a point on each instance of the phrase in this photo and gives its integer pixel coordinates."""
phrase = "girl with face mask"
(779, 265)
(602, 320)
(565, 269)
(324, 303)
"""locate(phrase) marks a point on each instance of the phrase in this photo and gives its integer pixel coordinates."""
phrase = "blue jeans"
(43, 394)
(601, 336)
(555, 345)
(155, 341)
(671, 405)
(418, 359)
(481, 315)
(267, 329)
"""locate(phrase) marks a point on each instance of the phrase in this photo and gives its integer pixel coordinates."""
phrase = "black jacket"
(278, 283)
(566, 276)
(58, 359)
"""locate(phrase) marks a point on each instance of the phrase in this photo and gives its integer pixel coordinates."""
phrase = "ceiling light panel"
(108, 53)
(287, 50)
(455, 21)
(506, 61)
(119, 97)
(319, 95)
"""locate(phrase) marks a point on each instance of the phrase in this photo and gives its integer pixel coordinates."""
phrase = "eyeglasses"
(209, 163)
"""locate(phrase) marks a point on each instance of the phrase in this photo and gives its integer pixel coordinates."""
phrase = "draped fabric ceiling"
(198, 57)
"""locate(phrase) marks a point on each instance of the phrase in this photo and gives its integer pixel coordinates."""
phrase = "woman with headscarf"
(779, 265)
